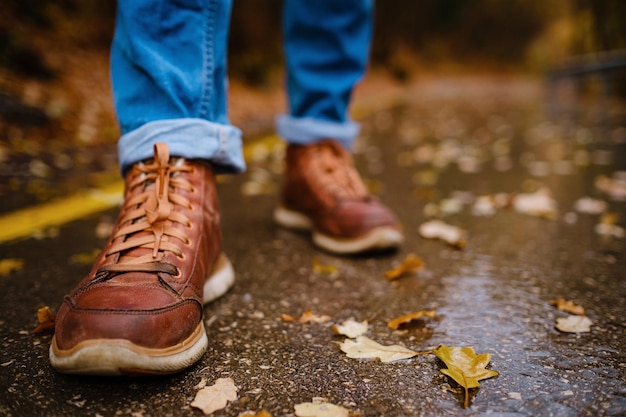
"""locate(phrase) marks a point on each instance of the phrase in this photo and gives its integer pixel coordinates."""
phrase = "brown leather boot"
(139, 311)
(324, 193)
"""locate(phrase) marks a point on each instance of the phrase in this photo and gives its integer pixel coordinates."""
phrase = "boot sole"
(122, 357)
(380, 238)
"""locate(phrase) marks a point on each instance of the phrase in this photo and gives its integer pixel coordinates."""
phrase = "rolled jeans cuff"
(306, 130)
(188, 138)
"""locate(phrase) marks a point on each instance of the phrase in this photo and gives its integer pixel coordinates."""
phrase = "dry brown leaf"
(568, 306)
(46, 319)
(262, 413)
(287, 318)
(574, 324)
(215, 397)
(398, 321)
(309, 317)
(410, 265)
(437, 229)
(351, 328)
(9, 265)
(320, 409)
(323, 269)
(365, 348)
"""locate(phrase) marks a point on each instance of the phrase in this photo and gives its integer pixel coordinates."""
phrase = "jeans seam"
(209, 64)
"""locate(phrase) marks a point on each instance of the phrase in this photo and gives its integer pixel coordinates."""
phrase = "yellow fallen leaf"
(46, 319)
(215, 397)
(323, 269)
(398, 321)
(574, 324)
(351, 328)
(465, 366)
(320, 409)
(262, 413)
(568, 306)
(309, 317)
(365, 348)
(9, 265)
(410, 265)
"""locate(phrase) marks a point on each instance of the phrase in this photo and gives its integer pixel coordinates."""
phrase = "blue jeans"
(168, 68)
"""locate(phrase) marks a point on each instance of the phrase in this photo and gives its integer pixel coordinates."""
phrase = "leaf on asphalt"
(365, 348)
(568, 306)
(351, 328)
(307, 317)
(590, 205)
(407, 318)
(320, 409)
(614, 186)
(262, 413)
(574, 324)
(465, 366)
(46, 319)
(608, 226)
(324, 269)
(437, 229)
(9, 265)
(540, 204)
(215, 397)
(410, 265)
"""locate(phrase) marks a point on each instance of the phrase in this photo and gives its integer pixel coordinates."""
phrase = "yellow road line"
(28, 221)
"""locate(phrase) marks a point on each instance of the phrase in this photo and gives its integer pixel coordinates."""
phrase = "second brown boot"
(324, 193)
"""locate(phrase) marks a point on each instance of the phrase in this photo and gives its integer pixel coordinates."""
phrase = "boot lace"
(147, 223)
(335, 172)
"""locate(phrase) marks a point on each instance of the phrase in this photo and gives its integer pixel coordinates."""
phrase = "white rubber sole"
(380, 238)
(122, 357)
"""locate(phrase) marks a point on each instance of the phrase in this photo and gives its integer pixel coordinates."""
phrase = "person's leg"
(326, 47)
(139, 310)
(168, 69)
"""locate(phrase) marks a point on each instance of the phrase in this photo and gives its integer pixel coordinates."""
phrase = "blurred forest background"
(55, 94)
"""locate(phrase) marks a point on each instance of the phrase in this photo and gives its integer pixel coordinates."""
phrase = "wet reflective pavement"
(430, 152)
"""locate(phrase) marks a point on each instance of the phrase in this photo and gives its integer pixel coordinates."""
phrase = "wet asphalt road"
(438, 147)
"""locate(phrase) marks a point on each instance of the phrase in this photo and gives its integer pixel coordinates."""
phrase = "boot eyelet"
(182, 256)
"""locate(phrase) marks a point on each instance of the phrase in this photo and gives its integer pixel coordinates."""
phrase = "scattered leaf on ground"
(540, 204)
(215, 397)
(306, 317)
(410, 265)
(608, 226)
(365, 348)
(46, 319)
(323, 269)
(590, 205)
(437, 229)
(351, 328)
(574, 324)
(465, 366)
(614, 186)
(568, 306)
(262, 413)
(484, 206)
(9, 265)
(320, 409)
(398, 321)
